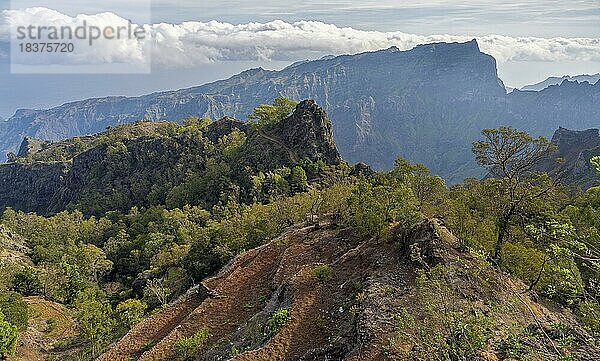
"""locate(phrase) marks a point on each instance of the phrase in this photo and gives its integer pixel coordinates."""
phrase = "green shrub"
(9, 335)
(448, 326)
(277, 320)
(265, 115)
(322, 273)
(589, 313)
(15, 310)
(130, 312)
(186, 348)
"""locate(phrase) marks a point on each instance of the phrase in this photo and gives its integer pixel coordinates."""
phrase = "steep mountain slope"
(358, 301)
(574, 151)
(555, 80)
(148, 163)
(426, 104)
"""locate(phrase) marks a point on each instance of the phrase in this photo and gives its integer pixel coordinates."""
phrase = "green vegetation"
(510, 156)
(27, 282)
(14, 309)
(277, 320)
(9, 335)
(265, 115)
(322, 272)
(451, 327)
(596, 163)
(186, 348)
(93, 315)
(115, 257)
(130, 312)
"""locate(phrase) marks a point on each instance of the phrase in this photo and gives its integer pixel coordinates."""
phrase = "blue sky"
(545, 18)
(525, 18)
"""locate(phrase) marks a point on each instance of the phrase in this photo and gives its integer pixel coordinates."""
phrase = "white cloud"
(195, 43)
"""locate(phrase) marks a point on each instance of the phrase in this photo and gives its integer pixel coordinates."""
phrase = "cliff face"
(121, 171)
(575, 149)
(31, 187)
(427, 104)
(29, 145)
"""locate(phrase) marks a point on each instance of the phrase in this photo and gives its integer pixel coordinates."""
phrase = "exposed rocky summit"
(427, 104)
(574, 151)
(29, 145)
(309, 133)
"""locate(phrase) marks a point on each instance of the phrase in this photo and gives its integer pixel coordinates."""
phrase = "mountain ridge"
(557, 80)
(108, 169)
(426, 104)
(352, 314)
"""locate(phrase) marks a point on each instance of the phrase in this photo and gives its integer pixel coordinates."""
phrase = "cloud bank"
(194, 43)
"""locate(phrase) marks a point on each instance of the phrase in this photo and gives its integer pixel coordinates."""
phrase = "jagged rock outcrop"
(308, 133)
(427, 104)
(554, 80)
(222, 127)
(574, 151)
(362, 170)
(29, 145)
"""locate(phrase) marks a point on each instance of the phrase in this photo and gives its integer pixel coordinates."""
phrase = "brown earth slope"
(351, 309)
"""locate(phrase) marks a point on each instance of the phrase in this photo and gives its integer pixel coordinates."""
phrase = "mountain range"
(555, 80)
(151, 163)
(427, 104)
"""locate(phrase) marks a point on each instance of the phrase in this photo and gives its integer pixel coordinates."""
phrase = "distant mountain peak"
(559, 80)
(471, 45)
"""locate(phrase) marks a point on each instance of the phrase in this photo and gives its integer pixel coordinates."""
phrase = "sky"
(193, 42)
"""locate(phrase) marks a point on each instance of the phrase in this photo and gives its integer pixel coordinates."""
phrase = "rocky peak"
(575, 148)
(29, 145)
(571, 142)
(309, 133)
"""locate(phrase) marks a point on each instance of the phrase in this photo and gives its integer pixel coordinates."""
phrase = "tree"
(596, 163)
(298, 180)
(157, 289)
(366, 214)
(93, 317)
(196, 123)
(266, 114)
(562, 246)
(9, 335)
(510, 156)
(72, 282)
(425, 186)
(130, 312)
(27, 282)
(230, 143)
(94, 261)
